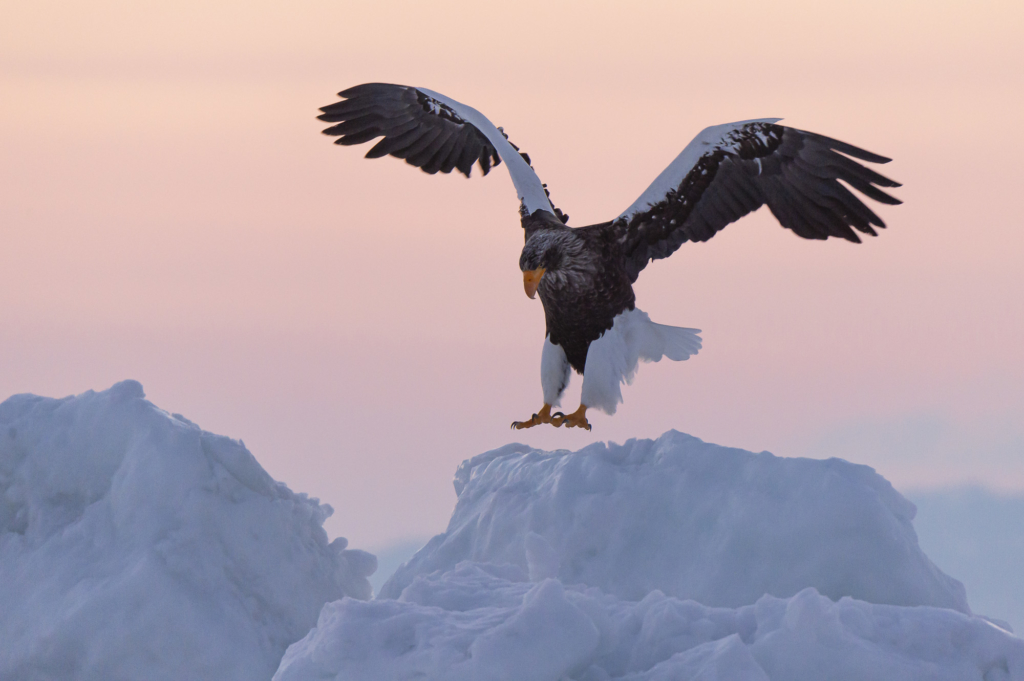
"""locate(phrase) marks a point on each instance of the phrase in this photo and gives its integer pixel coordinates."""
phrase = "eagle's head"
(550, 252)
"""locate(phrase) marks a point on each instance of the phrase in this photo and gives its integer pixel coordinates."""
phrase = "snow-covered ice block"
(694, 520)
(486, 622)
(134, 545)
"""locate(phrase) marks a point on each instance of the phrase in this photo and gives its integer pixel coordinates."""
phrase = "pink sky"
(169, 212)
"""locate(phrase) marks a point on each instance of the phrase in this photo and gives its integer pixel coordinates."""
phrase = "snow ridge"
(664, 560)
(691, 519)
(134, 545)
(488, 622)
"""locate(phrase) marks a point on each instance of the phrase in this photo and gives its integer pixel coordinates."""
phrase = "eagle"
(585, 275)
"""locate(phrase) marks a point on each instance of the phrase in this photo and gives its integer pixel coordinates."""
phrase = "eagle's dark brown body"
(588, 289)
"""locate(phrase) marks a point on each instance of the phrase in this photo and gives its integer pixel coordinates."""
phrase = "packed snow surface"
(608, 563)
(695, 520)
(486, 622)
(134, 545)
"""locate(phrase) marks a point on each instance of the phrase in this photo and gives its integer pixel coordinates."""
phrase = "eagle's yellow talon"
(577, 419)
(543, 416)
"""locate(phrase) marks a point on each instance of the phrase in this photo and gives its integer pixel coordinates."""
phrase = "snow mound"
(589, 566)
(693, 520)
(135, 545)
(486, 622)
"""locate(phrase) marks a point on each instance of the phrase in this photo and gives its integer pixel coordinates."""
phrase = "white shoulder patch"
(528, 185)
(614, 357)
(716, 136)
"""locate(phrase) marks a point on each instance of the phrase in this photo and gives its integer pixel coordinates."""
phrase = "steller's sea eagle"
(584, 275)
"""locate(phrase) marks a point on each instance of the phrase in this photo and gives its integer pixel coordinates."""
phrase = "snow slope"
(608, 563)
(134, 545)
(484, 622)
(695, 520)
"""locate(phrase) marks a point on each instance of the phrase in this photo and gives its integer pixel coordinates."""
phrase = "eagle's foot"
(577, 419)
(543, 416)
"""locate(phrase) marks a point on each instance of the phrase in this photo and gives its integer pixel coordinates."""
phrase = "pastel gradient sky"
(170, 212)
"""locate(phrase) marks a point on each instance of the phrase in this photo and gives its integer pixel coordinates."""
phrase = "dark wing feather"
(436, 134)
(796, 173)
(415, 127)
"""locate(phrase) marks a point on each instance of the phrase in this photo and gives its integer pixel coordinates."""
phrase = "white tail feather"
(614, 357)
(657, 340)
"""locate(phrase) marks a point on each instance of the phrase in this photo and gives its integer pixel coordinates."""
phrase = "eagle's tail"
(613, 358)
(655, 341)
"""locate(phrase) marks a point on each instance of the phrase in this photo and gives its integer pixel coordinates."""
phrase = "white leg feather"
(613, 358)
(554, 372)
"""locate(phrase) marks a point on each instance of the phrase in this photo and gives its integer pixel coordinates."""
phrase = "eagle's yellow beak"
(531, 280)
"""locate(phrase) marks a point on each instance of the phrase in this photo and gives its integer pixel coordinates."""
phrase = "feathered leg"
(554, 377)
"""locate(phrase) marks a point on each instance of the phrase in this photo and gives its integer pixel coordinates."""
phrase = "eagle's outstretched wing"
(730, 170)
(430, 131)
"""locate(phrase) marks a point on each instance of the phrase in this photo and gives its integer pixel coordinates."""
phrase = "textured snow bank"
(134, 545)
(717, 525)
(580, 566)
(483, 622)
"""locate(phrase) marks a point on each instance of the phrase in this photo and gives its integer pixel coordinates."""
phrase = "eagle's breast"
(582, 298)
